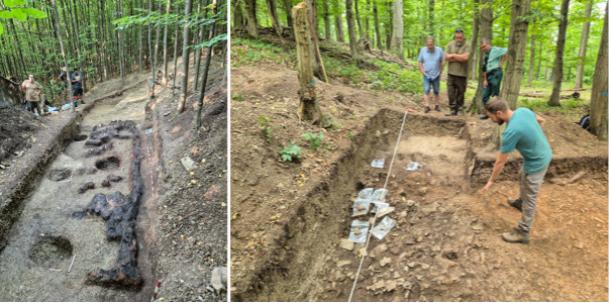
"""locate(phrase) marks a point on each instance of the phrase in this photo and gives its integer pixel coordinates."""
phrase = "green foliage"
(541, 105)
(263, 124)
(209, 43)
(291, 153)
(350, 135)
(339, 68)
(314, 140)
(16, 9)
(392, 76)
(329, 123)
(237, 97)
(248, 51)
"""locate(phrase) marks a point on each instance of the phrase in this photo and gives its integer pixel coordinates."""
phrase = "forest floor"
(181, 228)
(288, 219)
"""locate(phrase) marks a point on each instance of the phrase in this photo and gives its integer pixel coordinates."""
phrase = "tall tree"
(250, 13)
(599, 91)
(377, 28)
(485, 33)
(349, 14)
(168, 9)
(326, 20)
(287, 8)
(582, 50)
(472, 63)
(561, 42)
(338, 23)
(397, 28)
(188, 6)
(516, 51)
(63, 53)
(275, 22)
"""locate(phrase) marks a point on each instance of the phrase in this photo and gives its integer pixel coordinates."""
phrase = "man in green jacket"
(492, 70)
(523, 133)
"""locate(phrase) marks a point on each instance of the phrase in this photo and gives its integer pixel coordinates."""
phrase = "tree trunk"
(351, 28)
(155, 60)
(326, 20)
(338, 23)
(388, 26)
(309, 109)
(319, 69)
(251, 24)
(287, 8)
(599, 91)
(358, 21)
(516, 52)
(397, 28)
(561, 42)
(367, 11)
(530, 76)
(204, 83)
(377, 29)
(188, 6)
(474, 47)
(582, 50)
(485, 23)
(168, 9)
(275, 22)
(176, 35)
(63, 54)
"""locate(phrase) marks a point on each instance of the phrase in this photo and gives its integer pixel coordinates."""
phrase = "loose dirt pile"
(17, 128)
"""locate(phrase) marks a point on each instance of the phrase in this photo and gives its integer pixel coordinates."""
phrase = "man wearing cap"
(492, 70)
(431, 67)
(457, 54)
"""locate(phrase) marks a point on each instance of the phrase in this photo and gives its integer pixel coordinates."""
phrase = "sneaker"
(516, 203)
(427, 109)
(437, 108)
(452, 113)
(483, 117)
(516, 236)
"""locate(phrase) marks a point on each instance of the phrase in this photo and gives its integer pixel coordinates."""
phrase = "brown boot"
(516, 236)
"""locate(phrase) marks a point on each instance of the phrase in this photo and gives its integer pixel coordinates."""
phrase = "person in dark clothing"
(75, 81)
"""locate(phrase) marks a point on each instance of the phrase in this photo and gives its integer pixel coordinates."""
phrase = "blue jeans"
(433, 84)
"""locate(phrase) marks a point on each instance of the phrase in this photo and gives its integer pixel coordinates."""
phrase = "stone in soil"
(346, 244)
(219, 278)
(59, 174)
(85, 187)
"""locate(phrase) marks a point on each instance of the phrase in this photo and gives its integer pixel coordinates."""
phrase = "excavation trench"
(419, 258)
(75, 236)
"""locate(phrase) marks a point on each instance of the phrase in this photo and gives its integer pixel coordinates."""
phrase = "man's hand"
(486, 187)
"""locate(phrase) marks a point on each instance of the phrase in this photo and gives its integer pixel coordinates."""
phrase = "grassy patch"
(568, 106)
(249, 51)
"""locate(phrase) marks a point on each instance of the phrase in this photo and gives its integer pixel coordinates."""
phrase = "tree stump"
(309, 109)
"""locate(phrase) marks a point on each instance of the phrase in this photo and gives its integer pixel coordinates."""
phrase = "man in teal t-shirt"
(523, 133)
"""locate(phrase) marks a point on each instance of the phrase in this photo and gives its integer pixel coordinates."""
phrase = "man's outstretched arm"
(501, 159)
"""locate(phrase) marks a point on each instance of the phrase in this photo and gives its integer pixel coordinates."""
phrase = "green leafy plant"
(314, 140)
(291, 153)
(263, 124)
(350, 135)
(237, 97)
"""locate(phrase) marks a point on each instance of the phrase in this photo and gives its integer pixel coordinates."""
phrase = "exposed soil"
(289, 218)
(153, 231)
(189, 213)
